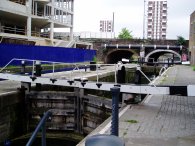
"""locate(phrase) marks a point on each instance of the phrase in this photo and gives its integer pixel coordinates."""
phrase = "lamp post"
(113, 24)
(144, 21)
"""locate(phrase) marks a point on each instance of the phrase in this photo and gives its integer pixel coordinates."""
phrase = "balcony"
(43, 1)
(10, 8)
(164, 19)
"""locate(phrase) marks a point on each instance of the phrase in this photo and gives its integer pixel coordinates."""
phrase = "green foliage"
(181, 41)
(134, 57)
(125, 34)
(95, 59)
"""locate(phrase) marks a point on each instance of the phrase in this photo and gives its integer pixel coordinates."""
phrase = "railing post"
(115, 105)
(33, 69)
(97, 73)
(43, 135)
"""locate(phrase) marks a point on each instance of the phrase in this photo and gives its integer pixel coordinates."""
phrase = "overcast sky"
(129, 14)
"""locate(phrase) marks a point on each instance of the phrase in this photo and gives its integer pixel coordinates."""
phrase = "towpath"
(160, 120)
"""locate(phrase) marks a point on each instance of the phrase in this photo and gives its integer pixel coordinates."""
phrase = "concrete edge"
(101, 129)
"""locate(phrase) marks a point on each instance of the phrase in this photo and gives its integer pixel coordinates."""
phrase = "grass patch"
(131, 121)
(125, 133)
(193, 67)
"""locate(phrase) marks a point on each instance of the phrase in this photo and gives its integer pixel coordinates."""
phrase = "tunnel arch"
(116, 55)
(161, 52)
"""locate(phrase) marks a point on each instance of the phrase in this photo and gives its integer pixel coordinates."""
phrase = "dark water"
(49, 142)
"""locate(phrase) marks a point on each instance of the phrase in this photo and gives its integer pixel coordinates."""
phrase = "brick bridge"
(150, 53)
(114, 54)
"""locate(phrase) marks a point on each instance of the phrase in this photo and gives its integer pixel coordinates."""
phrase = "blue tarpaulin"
(45, 53)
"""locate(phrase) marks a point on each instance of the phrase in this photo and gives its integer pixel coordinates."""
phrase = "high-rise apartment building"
(106, 26)
(157, 19)
(35, 19)
(192, 37)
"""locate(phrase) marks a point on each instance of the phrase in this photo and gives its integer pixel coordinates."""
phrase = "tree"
(125, 34)
(181, 41)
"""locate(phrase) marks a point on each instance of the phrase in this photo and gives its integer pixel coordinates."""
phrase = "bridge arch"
(157, 53)
(116, 55)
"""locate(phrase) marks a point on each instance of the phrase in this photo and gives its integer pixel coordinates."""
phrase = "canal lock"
(75, 110)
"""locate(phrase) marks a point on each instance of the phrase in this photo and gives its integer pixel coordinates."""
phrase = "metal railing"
(77, 73)
(40, 34)
(162, 70)
(95, 34)
(13, 30)
(40, 126)
(23, 31)
(78, 69)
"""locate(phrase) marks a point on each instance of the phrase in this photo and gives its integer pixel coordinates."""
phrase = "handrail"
(146, 77)
(70, 43)
(12, 29)
(40, 126)
(162, 70)
(23, 31)
(77, 67)
(7, 64)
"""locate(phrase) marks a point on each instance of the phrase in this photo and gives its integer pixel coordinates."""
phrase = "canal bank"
(161, 119)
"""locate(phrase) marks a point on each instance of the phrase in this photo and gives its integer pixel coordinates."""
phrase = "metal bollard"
(121, 75)
(38, 68)
(23, 64)
(115, 101)
(104, 140)
(168, 62)
(7, 143)
(155, 72)
(137, 79)
(121, 78)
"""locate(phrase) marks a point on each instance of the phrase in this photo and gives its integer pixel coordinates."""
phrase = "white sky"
(129, 14)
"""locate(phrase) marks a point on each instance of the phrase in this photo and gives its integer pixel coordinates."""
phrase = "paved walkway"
(160, 120)
(178, 75)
